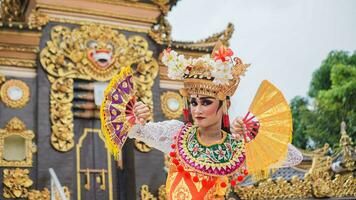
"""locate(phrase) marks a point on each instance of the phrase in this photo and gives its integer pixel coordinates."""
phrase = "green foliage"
(299, 107)
(333, 91)
(321, 77)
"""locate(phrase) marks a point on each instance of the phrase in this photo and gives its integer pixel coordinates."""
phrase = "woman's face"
(205, 111)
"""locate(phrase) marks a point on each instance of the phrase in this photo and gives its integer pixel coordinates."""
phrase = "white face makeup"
(205, 110)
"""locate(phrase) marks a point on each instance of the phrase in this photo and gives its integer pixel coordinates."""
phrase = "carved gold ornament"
(27, 63)
(161, 32)
(15, 128)
(163, 5)
(10, 10)
(147, 195)
(39, 195)
(16, 183)
(91, 52)
(2, 78)
(66, 194)
(15, 93)
(37, 19)
(172, 105)
(142, 147)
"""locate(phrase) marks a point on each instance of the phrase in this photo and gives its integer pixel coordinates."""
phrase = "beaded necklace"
(193, 157)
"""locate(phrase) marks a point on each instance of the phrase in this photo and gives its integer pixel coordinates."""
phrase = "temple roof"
(207, 44)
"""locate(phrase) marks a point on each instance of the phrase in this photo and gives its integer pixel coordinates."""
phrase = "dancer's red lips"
(199, 118)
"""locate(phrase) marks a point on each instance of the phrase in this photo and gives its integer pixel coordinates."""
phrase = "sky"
(285, 41)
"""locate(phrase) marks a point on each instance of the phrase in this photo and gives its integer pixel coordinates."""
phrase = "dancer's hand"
(238, 129)
(142, 112)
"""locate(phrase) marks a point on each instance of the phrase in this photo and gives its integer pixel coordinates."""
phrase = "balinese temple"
(51, 85)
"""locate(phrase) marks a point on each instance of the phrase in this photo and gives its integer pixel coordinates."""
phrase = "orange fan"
(116, 112)
(271, 115)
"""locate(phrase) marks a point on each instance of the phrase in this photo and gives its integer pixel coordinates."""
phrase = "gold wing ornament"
(271, 115)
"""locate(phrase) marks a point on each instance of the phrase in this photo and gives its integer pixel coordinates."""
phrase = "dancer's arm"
(158, 135)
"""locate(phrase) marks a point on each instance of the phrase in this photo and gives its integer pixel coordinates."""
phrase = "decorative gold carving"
(10, 10)
(15, 93)
(19, 48)
(163, 5)
(2, 78)
(223, 36)
(144, 81)
(172, 105)
(319, 182)
(87, 172)
(45, 194)
(37, 20)
(39, 195)
(162, 194)
(16, 127)
(61, 114)
(92, 52)
(161, 32)
(18, 62)
(142, 147)
(16, 183)
(66, 193)
(147, 195)
(347, 150)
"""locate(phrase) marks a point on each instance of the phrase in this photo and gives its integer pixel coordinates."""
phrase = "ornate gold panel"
(15, 93)
(172, 105)
(91, 52)
(16, 183)
(15, 127)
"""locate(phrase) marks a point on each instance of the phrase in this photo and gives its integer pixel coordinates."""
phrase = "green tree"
(299, 107)
(333, 93)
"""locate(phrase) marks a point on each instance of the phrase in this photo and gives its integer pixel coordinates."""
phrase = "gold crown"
(217, 75)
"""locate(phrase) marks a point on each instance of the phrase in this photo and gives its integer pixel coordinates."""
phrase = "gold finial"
(343, 127)
(217, 46)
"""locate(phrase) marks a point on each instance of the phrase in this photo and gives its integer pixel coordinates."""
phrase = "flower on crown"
(219, 67)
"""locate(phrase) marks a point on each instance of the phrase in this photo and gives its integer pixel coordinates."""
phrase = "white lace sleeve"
(294, 157)
(158, 135)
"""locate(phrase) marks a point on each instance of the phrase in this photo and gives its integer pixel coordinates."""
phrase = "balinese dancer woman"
(207, 155)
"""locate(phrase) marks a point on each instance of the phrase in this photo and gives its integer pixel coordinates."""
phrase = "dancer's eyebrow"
(202, 98)
(206, 98)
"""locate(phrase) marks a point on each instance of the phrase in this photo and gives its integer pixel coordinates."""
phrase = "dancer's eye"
(206, 102)
(193, 102)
